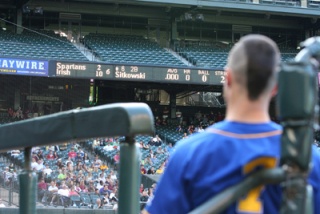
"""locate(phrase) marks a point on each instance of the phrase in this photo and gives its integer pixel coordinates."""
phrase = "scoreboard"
(186, 75)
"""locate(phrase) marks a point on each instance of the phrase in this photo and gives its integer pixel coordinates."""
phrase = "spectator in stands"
(113, 176)
(63, 193)
(108, 147)
(151, 171)
(219, 117)
(55, 155)
(15, 153)
(145, 146)
(105, 199)
(179, 116)
(185, 135)
(73, 191)
(150, 193)
(198, 116)
(110, 183)
(80, 150)
(102, 177)
(211, 118)
(169, 147)
(69, 160)
(104, 190)
(158, 141)
(140, 145)
(52, 193)
(40, 165)
(59, 163)
(50, 156)
(143, 170)
(34, 163)
(159, 150)
(144, 198)
(70, 166)
(42, 189)
(79, 158)
(72, 154)
(158, 122)
(108, 179)
(97, 162)
(151, 142)
(7, 176)
(19, 113)
(148, 160)
(82, 185)
(150, 153)
(47, 170)
(154, 160)
(205, 121)
(11, 113)
(98, 204)
(141, 189)
(63, 147)
(40, 154)
(86, 158)
(99, 185)
(103, 167)
(179, 128)
(190, 129)
(91, 187)
(116, 158)
(62, 175)
(165, 115)
(161, 169)
(11, 167)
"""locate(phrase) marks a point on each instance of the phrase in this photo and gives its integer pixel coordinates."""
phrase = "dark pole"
(129, 177)
(28, 186)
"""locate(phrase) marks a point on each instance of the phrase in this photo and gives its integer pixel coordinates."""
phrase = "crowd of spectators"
(69, 176)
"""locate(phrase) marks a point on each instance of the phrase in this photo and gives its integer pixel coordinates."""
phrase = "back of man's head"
(253, 62)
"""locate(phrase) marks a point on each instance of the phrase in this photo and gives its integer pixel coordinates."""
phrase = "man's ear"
(274, 91)
(228, 77)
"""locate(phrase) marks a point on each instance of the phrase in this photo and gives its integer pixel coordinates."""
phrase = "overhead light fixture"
(26, 9)
(188, 16)
(200, 17)
(38, 10)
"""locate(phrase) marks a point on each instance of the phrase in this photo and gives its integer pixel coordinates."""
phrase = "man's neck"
(248, 112)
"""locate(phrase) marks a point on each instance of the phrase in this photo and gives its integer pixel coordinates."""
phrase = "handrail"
(221, 201)
(122, 119)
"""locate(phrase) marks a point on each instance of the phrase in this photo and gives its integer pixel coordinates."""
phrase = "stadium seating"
(205, 55)
(215, 56)
(39, 45)
(129, 49)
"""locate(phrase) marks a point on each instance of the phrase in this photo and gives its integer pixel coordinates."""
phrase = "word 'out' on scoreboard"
(183, 75)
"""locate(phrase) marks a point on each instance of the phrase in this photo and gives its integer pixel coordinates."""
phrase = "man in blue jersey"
(209, 162)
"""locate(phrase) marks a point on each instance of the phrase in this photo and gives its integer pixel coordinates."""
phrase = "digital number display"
(139, 73)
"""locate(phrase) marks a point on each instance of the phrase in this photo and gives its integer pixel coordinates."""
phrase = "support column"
(174, 31)
(173, 105)
(28, 186)
(174, 35)
(129, 182)
(19, 21)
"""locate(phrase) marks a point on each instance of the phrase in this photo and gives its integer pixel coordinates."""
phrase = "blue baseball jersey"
(207, 163)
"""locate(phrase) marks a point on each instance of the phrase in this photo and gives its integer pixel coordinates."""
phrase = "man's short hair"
(254, 61)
